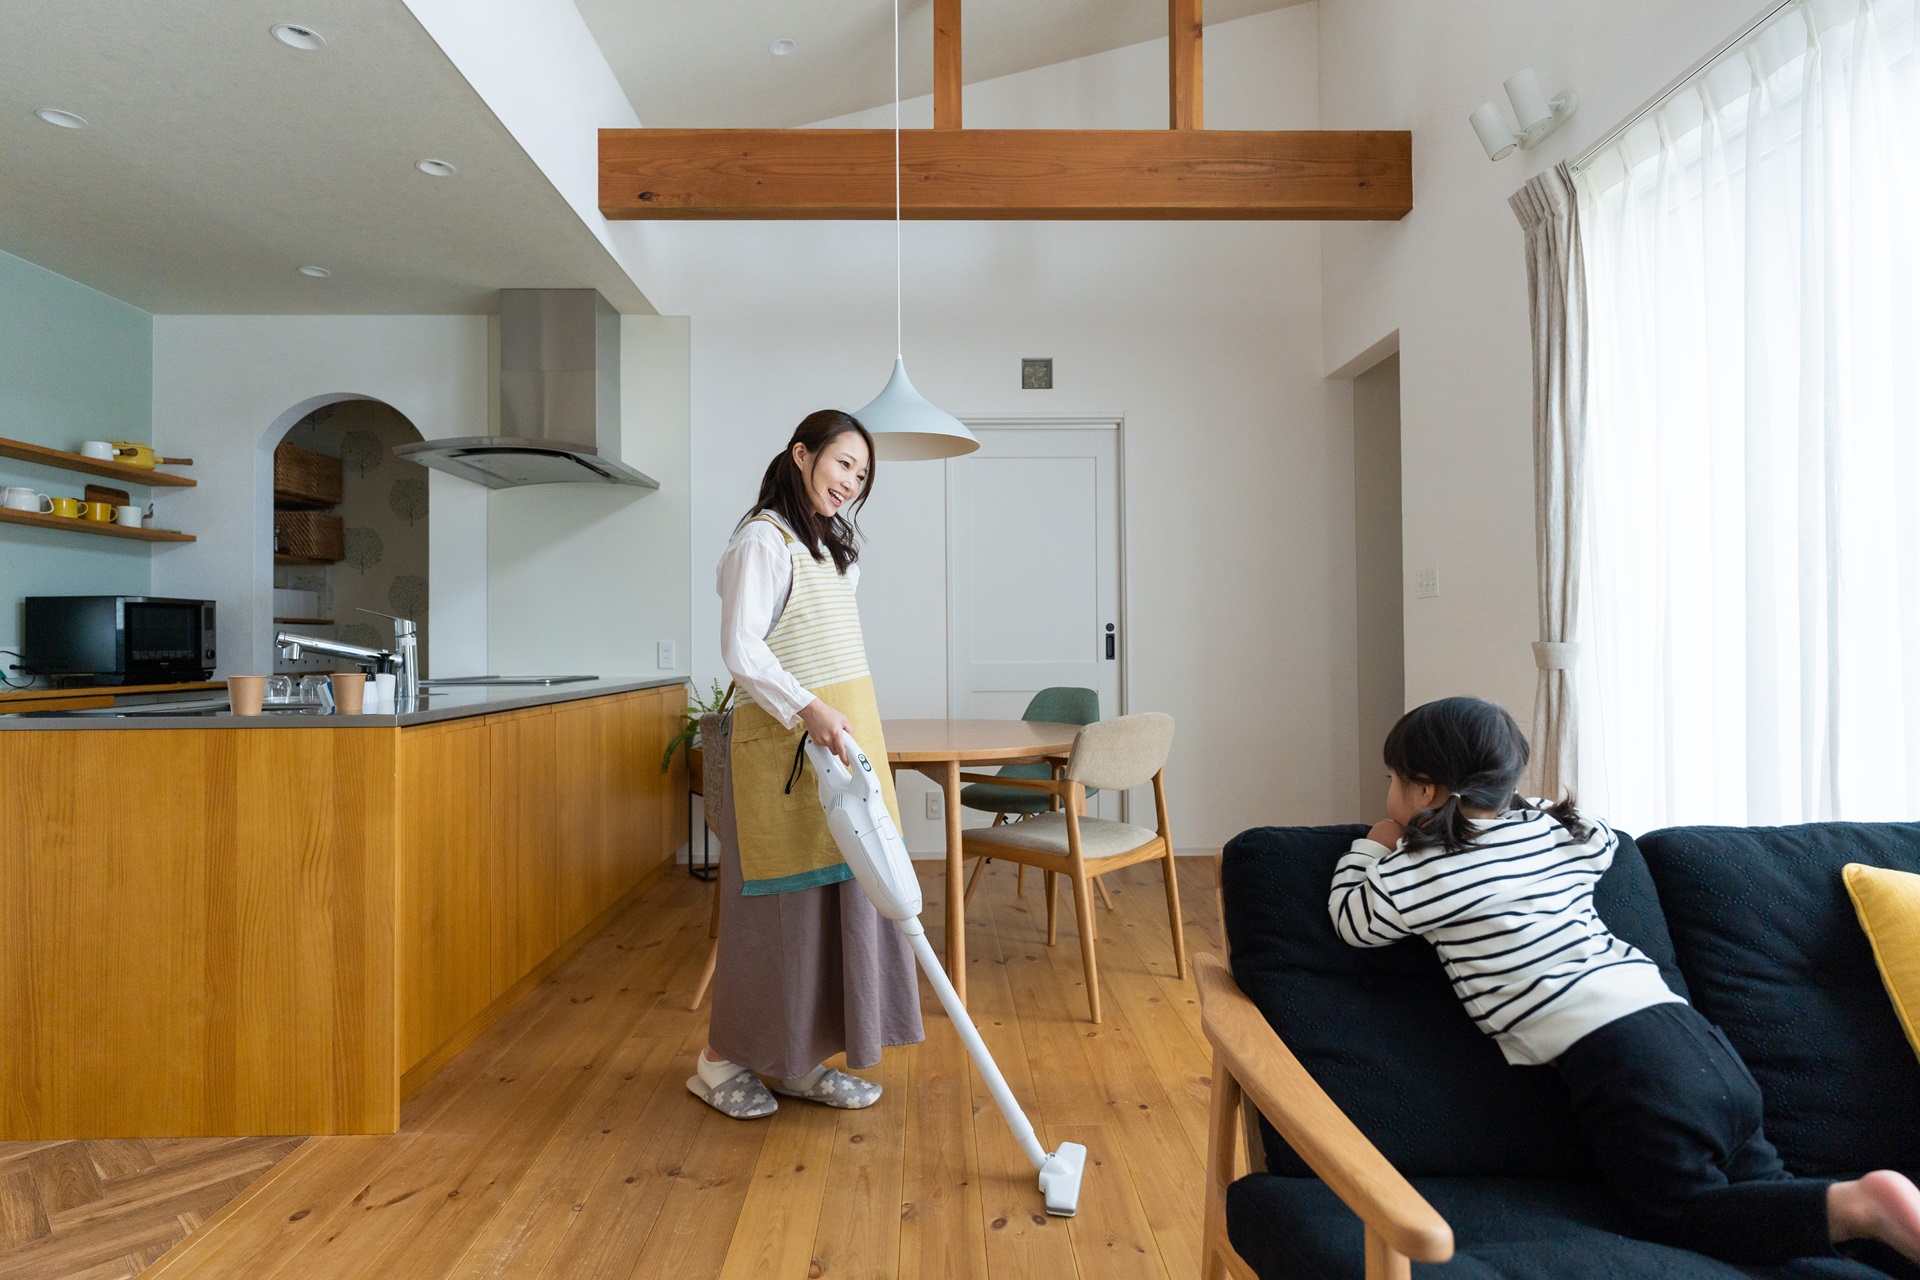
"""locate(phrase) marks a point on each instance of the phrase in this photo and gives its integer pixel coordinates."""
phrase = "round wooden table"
(938, 749)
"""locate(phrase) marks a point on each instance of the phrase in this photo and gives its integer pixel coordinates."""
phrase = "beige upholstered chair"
(1112, 755)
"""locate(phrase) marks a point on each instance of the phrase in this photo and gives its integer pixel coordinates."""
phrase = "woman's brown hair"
(783, 489)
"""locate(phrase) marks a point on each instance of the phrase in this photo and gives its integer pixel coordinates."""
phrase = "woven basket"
(310, 535)
(303, 478)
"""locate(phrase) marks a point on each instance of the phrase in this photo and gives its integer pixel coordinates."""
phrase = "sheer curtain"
(1751, 624)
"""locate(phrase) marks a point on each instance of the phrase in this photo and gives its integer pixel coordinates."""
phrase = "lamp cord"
(899, 344)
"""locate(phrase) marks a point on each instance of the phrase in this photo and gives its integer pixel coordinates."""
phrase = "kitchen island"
(285, 924)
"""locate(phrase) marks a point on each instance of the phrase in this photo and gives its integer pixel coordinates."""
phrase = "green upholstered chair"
(1049, 706)
(1059, 705)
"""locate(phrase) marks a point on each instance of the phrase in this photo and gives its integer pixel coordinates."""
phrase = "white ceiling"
(217, 162)
(702, 64)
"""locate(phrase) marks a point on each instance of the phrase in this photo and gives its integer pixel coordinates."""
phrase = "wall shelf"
(76, 525)
(281, 557)
(303, 622)
(24, 452)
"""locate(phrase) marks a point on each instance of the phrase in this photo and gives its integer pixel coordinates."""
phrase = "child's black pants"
(1673, 1117)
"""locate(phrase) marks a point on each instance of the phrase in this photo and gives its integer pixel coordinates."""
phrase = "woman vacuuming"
(807, 968)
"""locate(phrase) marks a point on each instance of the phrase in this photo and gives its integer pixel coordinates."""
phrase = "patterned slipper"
(835, 1088)
(742, 1097)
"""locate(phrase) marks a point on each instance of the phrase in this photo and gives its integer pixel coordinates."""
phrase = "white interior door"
(1034, 572)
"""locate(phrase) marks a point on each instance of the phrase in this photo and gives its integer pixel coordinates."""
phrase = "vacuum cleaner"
(857, 815)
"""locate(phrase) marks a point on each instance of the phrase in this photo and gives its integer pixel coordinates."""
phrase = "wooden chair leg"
(1053, 908)
(1083, 913)
(1223, 1134)
(706, 975)
(973, 881)
(1020, 880)
(1168, 869)
(1105, 897)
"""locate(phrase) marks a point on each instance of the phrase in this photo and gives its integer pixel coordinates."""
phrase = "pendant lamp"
(904, 426)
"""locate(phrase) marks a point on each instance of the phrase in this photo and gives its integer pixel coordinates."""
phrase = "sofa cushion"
(1888, 904)
(1382, 1031)
(1503, 1229)
(1773, 953)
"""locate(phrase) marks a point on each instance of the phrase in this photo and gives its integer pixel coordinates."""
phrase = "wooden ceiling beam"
(1186, 106)
(946, 64)
(1005, 173)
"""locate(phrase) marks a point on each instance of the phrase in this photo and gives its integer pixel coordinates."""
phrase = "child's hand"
(1387, 833)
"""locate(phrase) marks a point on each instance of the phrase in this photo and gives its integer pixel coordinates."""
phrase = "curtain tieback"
(1555, 655)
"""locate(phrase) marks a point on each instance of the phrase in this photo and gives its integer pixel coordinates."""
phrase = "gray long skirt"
(803, 975)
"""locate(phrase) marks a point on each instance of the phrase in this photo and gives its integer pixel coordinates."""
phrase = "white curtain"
(1557, 304)
(1751, 620)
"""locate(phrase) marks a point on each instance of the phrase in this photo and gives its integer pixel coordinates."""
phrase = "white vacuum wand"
(857, 815)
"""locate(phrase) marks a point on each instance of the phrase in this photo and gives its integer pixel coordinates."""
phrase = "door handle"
(1111, 642)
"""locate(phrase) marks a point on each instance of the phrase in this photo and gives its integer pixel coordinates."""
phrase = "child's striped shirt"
(1513, 920)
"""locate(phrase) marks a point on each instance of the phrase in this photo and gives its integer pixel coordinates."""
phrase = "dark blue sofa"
(1472, 1167)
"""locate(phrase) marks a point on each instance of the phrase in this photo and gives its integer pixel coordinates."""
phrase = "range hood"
(559, 399)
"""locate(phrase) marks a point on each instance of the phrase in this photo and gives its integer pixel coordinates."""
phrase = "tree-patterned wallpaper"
(384, 508)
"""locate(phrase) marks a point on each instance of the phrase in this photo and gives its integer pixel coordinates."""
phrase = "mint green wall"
(74, 365)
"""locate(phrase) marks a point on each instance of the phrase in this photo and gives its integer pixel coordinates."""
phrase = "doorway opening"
(355, 547)
(1379, 584)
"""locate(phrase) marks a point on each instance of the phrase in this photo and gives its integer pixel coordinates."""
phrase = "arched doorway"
(375, 556)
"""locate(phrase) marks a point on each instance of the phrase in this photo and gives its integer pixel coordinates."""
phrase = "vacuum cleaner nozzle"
(1060, 1179)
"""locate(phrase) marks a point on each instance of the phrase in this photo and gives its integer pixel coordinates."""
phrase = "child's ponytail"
(1473, 750)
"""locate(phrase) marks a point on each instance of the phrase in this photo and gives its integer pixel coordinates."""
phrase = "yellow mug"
(68, 507)
(101, 512)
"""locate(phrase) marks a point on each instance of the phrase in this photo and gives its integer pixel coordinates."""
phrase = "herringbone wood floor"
(564, 1143)
(106, 1210)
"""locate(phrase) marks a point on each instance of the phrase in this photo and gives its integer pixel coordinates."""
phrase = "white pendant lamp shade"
(906, 428)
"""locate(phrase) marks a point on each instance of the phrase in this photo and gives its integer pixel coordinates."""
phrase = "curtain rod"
(1678, 83)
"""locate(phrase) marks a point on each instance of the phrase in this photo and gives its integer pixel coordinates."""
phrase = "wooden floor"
(105, 1210)
(564, 1143)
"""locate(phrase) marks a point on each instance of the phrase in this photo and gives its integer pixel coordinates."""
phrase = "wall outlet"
(936, 806)
(664, 656)
(1426, 582)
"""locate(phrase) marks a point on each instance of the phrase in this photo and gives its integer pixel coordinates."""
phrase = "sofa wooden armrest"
(1249, 1058)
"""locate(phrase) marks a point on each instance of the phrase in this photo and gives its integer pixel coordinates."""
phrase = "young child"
(1503, 889)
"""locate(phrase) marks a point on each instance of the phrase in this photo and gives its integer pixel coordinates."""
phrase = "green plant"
(690, 729)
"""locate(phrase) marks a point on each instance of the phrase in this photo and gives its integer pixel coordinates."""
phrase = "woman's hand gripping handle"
(827, 728)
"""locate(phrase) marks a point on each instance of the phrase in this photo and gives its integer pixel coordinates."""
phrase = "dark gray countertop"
(435, 705)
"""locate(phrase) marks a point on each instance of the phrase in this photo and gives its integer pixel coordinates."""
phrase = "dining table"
(939, 749)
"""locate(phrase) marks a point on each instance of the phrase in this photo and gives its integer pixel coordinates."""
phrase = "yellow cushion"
(1888, 903)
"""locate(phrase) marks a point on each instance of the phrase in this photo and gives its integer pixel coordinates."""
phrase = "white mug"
(21, 499)
(380, 694)
(102, 450)
(127, 517)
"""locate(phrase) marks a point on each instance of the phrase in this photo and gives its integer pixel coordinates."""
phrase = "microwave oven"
(118, 639)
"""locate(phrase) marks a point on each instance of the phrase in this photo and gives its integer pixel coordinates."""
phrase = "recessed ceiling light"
(318, 273)
(436, 168)
(781, 48)
(65, 119)
(305, 39)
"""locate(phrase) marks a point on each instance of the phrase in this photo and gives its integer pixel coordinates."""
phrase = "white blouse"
(754, 581)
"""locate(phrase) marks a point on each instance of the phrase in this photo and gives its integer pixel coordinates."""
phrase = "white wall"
(1451, 280)
(590, 578)
(225, 388)
(1205, 336)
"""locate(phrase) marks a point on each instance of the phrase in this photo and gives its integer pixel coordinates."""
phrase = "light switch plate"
(665, 655)
(1426, 582)
(936, 806)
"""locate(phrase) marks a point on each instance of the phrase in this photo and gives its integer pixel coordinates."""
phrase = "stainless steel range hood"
(559, 399)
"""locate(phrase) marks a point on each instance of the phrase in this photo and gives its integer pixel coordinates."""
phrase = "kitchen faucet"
(403, 658)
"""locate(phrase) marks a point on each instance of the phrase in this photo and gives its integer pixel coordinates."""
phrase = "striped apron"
(782, 834)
